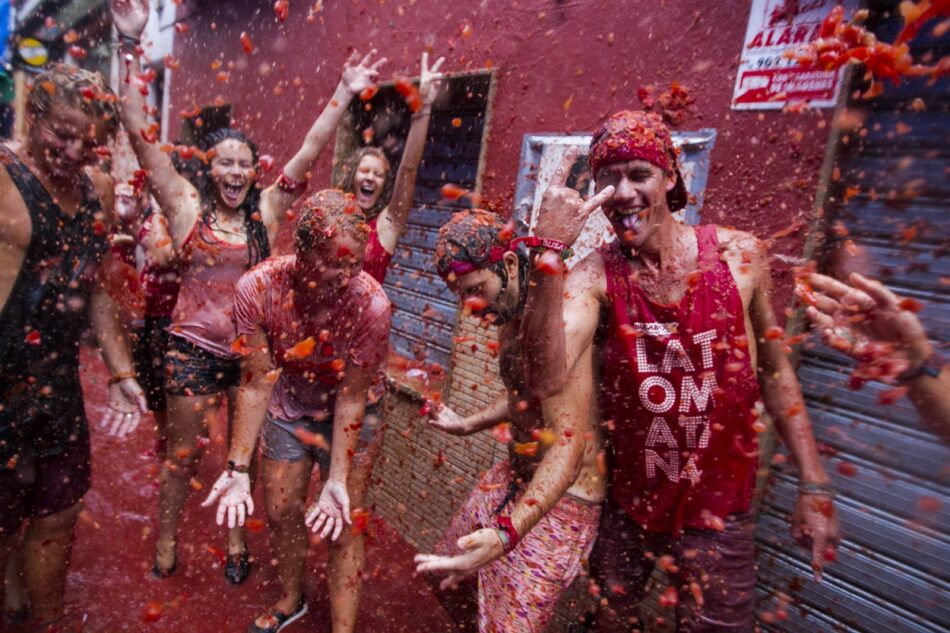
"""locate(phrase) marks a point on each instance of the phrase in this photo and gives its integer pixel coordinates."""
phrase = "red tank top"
(160, 283)
(681, 393)
(376, 258)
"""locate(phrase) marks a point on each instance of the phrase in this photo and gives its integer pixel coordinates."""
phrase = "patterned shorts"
(519, 592)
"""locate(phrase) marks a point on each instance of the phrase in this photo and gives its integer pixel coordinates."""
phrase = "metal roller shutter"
(892, 572)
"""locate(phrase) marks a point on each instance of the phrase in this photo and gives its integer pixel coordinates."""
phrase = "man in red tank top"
(690, 340)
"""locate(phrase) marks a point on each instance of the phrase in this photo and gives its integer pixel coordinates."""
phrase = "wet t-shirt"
(210, 268)
(681, 397)
(357, 334)
(376, 258)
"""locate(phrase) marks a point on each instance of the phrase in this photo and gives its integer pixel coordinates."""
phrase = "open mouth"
(233, 191)
(366, 191)
(630, 219)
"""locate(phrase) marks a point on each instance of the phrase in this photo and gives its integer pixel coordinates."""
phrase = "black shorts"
(149, 344)
(193, 371)
(35, 486)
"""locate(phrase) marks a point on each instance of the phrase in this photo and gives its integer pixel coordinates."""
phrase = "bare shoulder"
(104, 185)
(587, 279)
(746, 254)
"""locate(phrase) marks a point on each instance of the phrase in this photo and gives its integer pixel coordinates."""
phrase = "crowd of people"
(635, 382)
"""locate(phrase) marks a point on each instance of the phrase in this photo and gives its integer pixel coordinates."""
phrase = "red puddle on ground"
(109, 587)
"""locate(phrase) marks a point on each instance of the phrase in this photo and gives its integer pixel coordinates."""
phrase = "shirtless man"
(54, 249)
(532, 519)
(690, 340)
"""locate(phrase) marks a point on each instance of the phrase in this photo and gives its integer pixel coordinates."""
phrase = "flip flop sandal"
(281, 619)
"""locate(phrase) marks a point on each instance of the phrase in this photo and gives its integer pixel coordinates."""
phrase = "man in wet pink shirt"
(313, 331)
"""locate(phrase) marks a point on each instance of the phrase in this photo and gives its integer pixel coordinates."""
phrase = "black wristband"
(236, 468)
(931, 367)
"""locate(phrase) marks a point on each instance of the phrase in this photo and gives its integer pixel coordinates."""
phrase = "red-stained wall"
(560, 66)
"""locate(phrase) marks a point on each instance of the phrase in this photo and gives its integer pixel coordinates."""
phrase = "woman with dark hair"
(221, 228)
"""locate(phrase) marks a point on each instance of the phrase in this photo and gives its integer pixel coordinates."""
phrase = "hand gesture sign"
(430, 79)
(331, 511)
(357, 77)
(563, 211)
(126, 405)
(130, 17)
(234, 490)
(477, 550)
(852, 318)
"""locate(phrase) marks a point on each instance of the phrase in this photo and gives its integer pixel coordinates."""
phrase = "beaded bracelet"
(119, 377)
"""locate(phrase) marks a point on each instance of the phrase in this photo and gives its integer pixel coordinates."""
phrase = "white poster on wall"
(766, 79)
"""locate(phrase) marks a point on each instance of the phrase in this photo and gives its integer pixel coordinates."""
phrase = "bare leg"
(345, 580)
(285, 491)
(236, 535)
(15, 594)
(46, 548)
(161, 432)
(187, 420)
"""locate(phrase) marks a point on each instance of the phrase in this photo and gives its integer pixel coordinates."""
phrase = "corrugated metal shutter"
(424, 310)
(892, 572)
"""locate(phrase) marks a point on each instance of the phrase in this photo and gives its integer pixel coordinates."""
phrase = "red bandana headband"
(495, 255)
(629, 135)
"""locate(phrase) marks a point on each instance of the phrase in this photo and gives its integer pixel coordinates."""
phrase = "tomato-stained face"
(64, 140)
(232, 172)
(484, 294)
(371, 174)
(332, 263)
(639, 201)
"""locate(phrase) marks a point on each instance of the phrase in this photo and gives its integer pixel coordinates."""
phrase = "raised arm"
(157, 242)
(358, 75)
(177, 197)
(814, 524)
(390, 230)
(561, 217)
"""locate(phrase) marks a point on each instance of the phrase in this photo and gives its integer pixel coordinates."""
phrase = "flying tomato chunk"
(301, 350)
(246, 43)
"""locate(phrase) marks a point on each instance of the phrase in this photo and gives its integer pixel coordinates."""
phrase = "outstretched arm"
(446, 419)
(176, 196)
(430, 81)
(814, 523)
(561, 217)
(858, 318)
(358, 75)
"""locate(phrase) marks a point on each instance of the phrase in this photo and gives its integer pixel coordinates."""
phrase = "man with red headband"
(532, 519)
(688, 349)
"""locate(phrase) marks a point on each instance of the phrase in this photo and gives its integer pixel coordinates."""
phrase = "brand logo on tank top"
(676, 386)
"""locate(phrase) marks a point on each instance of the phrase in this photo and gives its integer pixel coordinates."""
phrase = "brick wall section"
(423, 474)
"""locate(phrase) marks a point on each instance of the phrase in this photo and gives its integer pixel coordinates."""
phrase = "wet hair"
(258, 246)
(65, 84)
(470, 236)
(325, 214)
(348, 183)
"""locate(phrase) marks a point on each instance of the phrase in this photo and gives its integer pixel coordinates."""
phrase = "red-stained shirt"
(680, 394)
(357, 335)
(210, 268)
(160, 283)
(376, 259)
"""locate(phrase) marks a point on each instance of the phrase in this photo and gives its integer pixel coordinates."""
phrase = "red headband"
(629, 135)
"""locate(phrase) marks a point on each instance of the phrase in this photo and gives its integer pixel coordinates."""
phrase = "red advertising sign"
(766, 78)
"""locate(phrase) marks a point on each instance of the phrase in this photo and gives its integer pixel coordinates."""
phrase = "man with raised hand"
(530, 522)
(689, 340)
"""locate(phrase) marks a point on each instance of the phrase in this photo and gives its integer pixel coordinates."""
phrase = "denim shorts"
(279, 441)
(193, 371)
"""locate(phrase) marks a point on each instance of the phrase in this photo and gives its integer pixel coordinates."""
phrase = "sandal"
(281, 619)
(237, 568)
